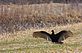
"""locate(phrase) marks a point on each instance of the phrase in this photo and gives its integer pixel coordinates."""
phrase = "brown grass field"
(18, 22)
(23, 42)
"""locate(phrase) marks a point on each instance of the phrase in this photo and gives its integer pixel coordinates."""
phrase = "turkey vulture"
(57, 38)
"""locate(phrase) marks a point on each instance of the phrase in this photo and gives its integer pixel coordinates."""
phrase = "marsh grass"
(20, 17)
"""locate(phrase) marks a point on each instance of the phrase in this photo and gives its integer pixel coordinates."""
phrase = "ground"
(23, 42)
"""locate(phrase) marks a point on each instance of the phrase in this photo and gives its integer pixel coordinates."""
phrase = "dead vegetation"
(21, 17)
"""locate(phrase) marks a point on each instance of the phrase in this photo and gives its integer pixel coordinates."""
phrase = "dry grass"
(20, 17)
(23, 42)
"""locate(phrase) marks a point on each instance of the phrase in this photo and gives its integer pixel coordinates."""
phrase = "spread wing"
(42, 34)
